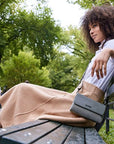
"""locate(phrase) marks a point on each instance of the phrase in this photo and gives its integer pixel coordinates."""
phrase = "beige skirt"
(28, 102)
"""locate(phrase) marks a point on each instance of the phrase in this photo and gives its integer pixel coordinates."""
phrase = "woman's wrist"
(112, 53)
(109, 51)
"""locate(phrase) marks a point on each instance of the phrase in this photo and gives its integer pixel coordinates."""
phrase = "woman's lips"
(94, 36)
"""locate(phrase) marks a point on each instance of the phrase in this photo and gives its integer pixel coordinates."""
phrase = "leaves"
(74, 41)
(37, 31)
(21, 68)
(90, 3)
(63, 72)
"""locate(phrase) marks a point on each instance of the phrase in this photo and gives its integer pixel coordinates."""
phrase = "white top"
(102, 83)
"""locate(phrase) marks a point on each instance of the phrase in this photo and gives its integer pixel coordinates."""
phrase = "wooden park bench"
(48, 132)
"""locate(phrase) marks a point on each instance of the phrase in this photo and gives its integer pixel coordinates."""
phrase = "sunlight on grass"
(109, 137)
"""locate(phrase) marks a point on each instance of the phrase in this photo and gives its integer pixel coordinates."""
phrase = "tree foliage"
(74, 42)
(90, 3)
(66, 70)
(23, 67)
(63, 72)
(38, 31)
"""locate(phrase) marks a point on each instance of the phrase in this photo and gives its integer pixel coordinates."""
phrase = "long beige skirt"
(28, 102)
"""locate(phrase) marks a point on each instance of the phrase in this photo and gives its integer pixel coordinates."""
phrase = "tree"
(90, 3)
(75, 44)
(64, 71)
(5, 9)
(21, 68)
(37, 31)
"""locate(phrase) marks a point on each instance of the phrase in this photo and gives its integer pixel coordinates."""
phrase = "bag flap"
(89, 104)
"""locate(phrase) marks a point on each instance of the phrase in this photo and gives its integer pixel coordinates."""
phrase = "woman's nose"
(91, 31)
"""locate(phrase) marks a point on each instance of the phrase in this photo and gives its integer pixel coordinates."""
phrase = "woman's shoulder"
(109, 44)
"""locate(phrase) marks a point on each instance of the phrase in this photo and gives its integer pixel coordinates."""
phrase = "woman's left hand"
(100, 63)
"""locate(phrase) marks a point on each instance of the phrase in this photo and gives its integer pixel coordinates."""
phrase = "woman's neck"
(102, 44)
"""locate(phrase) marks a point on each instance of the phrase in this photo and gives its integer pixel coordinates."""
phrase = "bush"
(21, 68)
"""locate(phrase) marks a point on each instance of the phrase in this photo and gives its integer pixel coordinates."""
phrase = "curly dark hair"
(104, 16)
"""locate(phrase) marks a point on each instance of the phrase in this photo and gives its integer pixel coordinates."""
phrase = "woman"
(27, 102)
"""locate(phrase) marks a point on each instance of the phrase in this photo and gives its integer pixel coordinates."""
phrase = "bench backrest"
(108, 94)
(111, 90)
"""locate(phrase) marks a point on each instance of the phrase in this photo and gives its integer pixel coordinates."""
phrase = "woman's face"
(95, 33)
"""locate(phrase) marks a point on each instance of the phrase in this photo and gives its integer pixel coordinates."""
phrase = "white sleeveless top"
(102, 83)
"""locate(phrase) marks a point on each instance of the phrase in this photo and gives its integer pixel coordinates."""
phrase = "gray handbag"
(88, 108)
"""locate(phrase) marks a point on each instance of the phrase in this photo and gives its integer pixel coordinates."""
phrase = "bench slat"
(76, 136)
(92, 136)
(57, 136)
(12, 129)
(31, 134)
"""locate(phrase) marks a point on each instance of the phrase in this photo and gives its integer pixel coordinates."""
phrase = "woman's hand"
(100, 63)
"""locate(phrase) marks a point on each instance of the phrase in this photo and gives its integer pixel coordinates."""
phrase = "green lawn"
(108, 138)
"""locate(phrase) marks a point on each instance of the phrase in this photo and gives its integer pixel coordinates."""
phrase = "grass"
(109, 137)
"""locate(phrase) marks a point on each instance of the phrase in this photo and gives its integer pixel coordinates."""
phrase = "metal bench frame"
(108, 95)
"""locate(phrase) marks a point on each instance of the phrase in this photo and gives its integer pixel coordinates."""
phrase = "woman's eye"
(89, 30)
(94, 25)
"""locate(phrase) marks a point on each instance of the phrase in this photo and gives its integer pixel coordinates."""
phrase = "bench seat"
(48, 132)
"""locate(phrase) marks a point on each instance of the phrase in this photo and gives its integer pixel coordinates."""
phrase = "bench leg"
(107, 120)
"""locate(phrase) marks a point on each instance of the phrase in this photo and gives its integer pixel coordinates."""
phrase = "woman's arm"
(100, 62)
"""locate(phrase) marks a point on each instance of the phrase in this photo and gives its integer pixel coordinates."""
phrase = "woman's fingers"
(93, 69)
(100, 68)
(105, 66)
(100, 64)
(97, 68)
